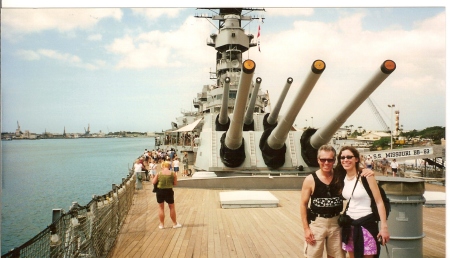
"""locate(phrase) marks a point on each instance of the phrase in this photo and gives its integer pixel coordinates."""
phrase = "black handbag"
(344, 220)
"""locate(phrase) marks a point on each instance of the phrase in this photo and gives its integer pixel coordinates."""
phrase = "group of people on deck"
(165, 179)
(149, 161)
(382, 165)
(322, 195)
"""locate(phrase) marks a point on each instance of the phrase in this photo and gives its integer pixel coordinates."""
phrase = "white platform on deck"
(434, 198)
(204, 175)
(248, 199)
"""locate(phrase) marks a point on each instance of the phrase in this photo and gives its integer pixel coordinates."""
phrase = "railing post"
(118, 213)
(55, 238)
(94, 230)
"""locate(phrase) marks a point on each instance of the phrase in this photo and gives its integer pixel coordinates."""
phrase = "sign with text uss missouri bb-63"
(411, 153)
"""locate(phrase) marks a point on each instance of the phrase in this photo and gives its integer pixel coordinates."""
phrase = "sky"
(136, 69)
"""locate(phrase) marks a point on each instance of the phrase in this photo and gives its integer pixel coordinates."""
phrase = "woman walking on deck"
(166, 180)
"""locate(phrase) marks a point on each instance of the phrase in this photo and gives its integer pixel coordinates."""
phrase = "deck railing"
(83, 231)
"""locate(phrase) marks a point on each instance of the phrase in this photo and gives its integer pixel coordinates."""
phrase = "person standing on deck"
(359, 238)
(185, 164)
(152, 167)
(394, 167)
(171, 152)
(138, 166)
(166, 180)
(324, 190)
(145, 167)
(384, 165)
(176, 165)
(369, 162)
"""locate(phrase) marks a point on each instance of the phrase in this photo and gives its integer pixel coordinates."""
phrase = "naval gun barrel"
(279, 134)
(232, 150)
(325, 133)
(272, 142)
(222, 120)
(248, 121)
(270, 120)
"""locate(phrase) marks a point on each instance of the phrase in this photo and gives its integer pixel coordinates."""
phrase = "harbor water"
(41, 175)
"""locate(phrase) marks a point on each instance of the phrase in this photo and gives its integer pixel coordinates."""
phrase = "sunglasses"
(326, 160)
(346, 157)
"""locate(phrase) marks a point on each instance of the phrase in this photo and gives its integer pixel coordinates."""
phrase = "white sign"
(400, 153)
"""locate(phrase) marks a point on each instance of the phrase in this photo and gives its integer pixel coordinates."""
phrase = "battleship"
(235, 129)
(234, 132)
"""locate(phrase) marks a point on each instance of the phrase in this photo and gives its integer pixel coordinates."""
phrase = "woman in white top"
(152, 167)
(394, 167)
(360, 238)
(138, 166)
(176, 165)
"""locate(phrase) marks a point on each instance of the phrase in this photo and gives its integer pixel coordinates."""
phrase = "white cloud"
(162, 49)
(59, 56)
(122, 46)
(28, 54)
(351, 52)
(20, 21)
(352, 55)
(66, 58)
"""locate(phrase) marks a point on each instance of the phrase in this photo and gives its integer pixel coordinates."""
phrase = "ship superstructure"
(232, 131)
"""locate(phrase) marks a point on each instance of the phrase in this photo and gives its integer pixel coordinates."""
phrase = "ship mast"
(230, 42)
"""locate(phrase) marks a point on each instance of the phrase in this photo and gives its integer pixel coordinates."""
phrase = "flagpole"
(259, 35)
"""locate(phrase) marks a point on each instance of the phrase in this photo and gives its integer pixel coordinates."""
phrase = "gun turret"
(248, 121)
(270, 119)
(232, 151)
(312, 139)
(272, 142)
(222, 120)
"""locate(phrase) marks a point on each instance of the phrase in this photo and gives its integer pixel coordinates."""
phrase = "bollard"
(405, 220)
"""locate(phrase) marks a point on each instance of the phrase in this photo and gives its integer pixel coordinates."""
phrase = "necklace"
(350, 178)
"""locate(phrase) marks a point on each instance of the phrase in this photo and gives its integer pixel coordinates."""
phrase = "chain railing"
(83, 231)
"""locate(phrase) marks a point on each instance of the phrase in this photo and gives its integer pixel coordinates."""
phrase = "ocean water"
(41, 175)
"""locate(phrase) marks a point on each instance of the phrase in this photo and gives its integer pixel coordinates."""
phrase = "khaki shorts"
(328, 235)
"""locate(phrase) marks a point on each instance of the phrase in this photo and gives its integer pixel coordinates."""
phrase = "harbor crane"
(377, 115)
(88, 131)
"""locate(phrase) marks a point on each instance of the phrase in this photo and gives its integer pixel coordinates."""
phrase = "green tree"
(435, 133)
(383, 143)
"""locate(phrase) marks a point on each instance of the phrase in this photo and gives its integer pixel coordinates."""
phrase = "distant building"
(340, 134)
(372, 136)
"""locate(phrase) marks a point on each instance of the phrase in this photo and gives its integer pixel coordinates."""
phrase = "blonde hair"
(166, 164)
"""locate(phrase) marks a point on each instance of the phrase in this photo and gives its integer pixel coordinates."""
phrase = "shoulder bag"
(344, 220)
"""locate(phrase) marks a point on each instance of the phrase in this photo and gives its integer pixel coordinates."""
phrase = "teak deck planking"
(210, 231)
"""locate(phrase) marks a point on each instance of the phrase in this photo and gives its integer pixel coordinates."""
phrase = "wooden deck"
(210, 231)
